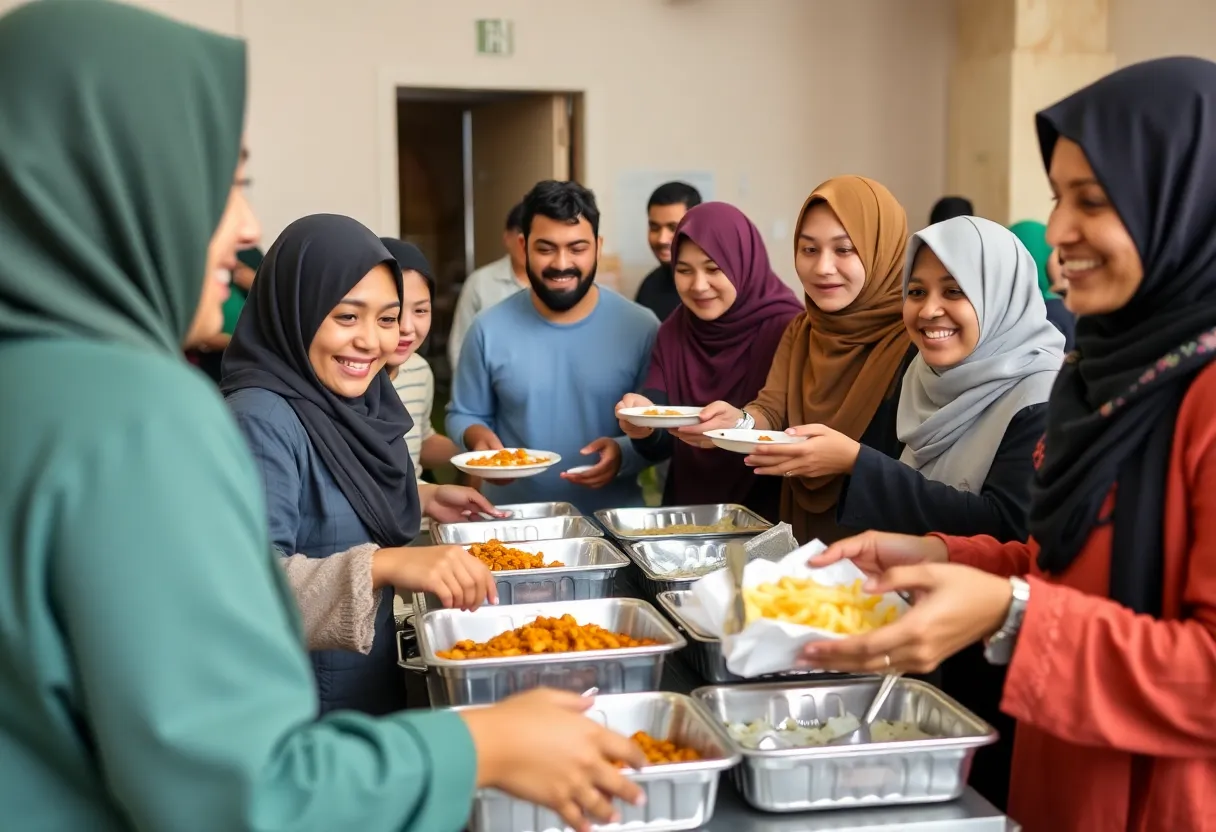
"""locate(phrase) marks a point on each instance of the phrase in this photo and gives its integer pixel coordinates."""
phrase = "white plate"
(513, 472)
(745, 441)
(688, 417)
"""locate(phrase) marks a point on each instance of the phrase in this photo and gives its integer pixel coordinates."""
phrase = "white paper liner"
(766, 645)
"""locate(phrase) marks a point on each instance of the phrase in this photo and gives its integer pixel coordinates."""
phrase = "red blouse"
(1117, 711)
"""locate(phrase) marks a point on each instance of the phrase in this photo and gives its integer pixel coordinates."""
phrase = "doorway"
(465, 158)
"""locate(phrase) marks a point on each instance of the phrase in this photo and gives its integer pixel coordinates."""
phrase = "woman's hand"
(540, 747)
(955, 606)
(714, 416)
(454, 503)
(876, 552)
(449, 572)
(629, 428)
(826, 452)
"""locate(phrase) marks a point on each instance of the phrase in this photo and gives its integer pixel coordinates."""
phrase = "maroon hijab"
(696, 362)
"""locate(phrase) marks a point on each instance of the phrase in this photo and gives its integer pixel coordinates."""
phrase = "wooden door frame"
(391, 79)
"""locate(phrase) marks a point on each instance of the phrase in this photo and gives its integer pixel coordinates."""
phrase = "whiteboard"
(633, 190)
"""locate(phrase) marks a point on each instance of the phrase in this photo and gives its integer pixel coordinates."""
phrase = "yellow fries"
(839, 609)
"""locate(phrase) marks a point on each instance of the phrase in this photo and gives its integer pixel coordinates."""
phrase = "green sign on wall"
(495, 37)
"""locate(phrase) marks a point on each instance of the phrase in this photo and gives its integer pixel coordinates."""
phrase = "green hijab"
(1033, 235)
(117, 156)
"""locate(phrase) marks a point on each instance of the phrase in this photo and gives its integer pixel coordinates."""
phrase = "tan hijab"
(852, 356)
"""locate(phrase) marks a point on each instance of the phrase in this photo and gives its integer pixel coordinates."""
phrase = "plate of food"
(661, 416)
(745, 441)
(507, 464)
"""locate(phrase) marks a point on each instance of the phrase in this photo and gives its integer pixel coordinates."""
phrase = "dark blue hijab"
(1149, 133)
(313, 264)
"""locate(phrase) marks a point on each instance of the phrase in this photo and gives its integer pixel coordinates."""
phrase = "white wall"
(772, 96)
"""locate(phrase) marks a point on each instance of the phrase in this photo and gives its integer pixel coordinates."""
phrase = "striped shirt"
(415, 384)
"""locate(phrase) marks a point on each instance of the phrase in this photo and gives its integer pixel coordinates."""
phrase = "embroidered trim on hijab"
(1113, 410)
(952, 421)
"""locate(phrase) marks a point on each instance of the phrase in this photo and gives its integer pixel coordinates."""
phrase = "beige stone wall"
(1014, 58)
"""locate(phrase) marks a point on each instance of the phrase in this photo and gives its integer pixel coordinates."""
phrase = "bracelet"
(747, 422)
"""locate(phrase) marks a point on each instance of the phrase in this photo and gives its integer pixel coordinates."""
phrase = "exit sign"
(495, 37)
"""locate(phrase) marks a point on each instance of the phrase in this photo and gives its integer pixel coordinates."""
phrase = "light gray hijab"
(952, 421)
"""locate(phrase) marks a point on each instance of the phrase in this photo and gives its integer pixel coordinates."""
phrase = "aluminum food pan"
(675, 563)
(535, 511)
(633, 523)
(679, 796)
(836, 777)
(516, 531)
(485, 681)
(704, 651)
(657, 559)
(590, 565)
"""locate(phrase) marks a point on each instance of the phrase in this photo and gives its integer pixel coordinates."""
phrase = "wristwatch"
(999, 647)
(746, 422)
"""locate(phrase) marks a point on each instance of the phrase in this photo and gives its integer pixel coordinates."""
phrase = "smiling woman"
(1107, 615)
(835, 374)
(303, 377)
(358, 335)
(972, 404)
(718, 345)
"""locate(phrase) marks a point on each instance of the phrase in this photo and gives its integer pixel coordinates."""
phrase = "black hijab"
(411, 259)
(1149, 132)
(306, 273)
(949, 207)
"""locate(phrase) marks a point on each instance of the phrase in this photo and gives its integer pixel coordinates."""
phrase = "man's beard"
(561, 300)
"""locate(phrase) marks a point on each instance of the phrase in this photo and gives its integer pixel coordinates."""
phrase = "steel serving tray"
(835, 777)
(634, 523)
(678, 796)
(590, 565)
(670, 563)
(485, 681)
(704, 650)
(535, 511)
(516, 531)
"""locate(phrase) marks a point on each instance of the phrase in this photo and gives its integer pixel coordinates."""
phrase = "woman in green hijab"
(209, 354)
(153, 672)
(1034, 236)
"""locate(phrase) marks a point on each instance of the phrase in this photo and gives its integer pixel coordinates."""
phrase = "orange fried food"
(765, 439)
(544, 635)
(663, 752)
(506, 459)
(654, 411)
(502, 558)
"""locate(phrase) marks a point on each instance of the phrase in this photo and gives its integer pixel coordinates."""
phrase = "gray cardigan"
(336, 598)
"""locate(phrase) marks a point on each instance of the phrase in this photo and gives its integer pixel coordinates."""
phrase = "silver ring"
(887, 659)
(789, 473)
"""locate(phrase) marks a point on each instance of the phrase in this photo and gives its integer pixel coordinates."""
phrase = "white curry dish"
(661, 416)
(537, 463)
(747, 441)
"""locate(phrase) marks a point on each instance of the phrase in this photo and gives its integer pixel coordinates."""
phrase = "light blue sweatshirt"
(554, 387)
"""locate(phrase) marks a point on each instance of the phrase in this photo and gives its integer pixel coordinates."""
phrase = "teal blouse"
(153, 675)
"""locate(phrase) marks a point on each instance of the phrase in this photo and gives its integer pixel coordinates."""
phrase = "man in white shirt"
(487, 286)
